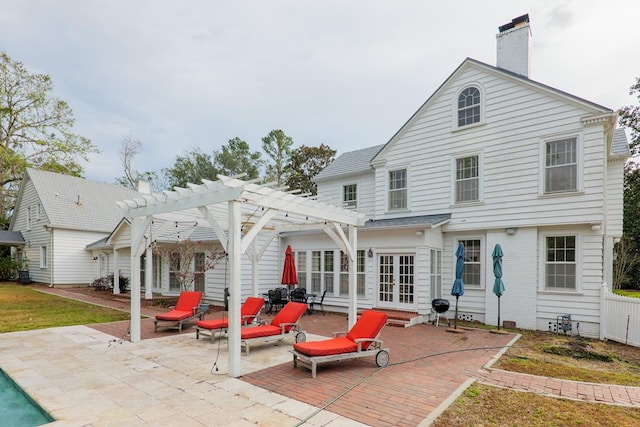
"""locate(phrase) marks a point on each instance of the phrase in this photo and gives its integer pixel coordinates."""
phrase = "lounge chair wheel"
(301, 337)
(382, 358)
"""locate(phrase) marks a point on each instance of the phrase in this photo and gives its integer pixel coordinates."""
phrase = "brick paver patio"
(428, 367)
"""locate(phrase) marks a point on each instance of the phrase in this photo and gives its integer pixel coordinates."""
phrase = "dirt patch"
(573, 357)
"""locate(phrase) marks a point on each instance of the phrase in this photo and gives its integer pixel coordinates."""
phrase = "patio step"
(401, 319)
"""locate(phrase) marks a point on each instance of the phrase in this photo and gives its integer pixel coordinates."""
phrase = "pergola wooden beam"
(221, 204)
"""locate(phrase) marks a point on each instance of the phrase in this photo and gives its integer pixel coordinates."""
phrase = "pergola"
(237, 211)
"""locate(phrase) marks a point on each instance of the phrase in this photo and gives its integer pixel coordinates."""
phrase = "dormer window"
(469, 106)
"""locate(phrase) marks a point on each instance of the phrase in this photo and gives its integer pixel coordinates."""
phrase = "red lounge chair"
(285, 321)
(361, 340)
(248, 313)
(186, 310)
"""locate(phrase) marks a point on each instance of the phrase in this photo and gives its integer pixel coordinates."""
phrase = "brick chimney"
(514, 43)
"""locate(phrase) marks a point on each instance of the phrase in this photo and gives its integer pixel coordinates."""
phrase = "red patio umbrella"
(289, 274)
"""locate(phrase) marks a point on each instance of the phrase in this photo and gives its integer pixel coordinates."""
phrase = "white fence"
(619, 318)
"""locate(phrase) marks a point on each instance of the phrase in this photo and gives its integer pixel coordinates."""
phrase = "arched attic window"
(469, 106)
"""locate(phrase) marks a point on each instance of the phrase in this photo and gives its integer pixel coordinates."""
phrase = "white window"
(316, 272)
(561, 165)
(350, 196)
(43, 257)
(301, 268)
(467, 187)
(435, 278)
(174, 271)
(328, 271)
(398, 189)
(29, 218)
(560, 263)
(473, 257)
(469, 106)
(360, 273)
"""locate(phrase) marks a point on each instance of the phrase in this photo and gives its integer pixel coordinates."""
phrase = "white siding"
(330, 192)
(510, 144)
(614, 204)
(510, 141)
(37, 236)
(72, 264)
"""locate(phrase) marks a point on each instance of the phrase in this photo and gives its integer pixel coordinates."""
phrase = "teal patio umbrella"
(498, 284)
(457, 289)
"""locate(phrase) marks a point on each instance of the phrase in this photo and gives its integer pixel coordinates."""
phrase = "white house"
(57, 216)
(492, 157)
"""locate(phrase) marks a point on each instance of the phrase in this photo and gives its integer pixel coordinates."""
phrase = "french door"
(396, 276)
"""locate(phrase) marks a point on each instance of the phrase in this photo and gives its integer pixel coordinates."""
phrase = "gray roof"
(408, 221)
(77, 203)
(351, 163)
(11, 238)
(620, 145)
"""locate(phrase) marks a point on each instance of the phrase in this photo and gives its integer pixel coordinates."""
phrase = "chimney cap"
(514, 22)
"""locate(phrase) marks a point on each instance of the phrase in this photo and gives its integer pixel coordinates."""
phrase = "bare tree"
(130, 147)
(625, 262)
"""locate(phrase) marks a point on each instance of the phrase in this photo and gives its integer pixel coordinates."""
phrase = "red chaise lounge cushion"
(367, 326)
(248, 313)
(290, 313)
(184, 309)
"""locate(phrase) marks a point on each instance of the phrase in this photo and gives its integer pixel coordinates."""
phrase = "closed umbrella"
(457, 289)
(498, 284)
(289, 274)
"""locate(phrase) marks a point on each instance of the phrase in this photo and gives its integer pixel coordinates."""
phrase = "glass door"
(396, 289)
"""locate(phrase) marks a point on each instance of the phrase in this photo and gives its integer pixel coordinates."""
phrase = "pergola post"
(353, 284)
(135, 280)
(235, 282)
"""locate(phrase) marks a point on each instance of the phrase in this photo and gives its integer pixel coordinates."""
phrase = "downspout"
(50, 230)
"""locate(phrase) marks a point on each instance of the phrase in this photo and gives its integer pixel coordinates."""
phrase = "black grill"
(440, 305)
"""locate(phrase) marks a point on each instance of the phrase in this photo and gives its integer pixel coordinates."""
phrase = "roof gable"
(481, 66)
(77, 203)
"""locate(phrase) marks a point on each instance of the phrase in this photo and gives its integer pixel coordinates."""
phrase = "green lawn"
(633, 293)
(23, 308)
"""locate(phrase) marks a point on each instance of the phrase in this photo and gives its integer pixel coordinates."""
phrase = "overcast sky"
(183, 74)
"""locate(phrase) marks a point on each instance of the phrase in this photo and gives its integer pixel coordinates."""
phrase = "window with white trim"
(472, 275)
(350, 196)
(301, 268)
(467, 179)
(328, 271)
(560, 263)
(398, 189)
(561, 165)
(360, 273)
(469, 106)
(435, 276)
(316, 272)
(29, 218)
(43, 257)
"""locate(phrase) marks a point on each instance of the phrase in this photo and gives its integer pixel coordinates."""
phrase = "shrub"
(106, 283)
(8, 268)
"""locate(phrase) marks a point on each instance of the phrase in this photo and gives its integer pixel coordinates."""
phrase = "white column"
(148, 273)
(116, 272)
(353, 285)
(135, 281)
(234, 288)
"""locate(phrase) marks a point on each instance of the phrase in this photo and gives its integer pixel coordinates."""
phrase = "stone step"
(402, 319)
